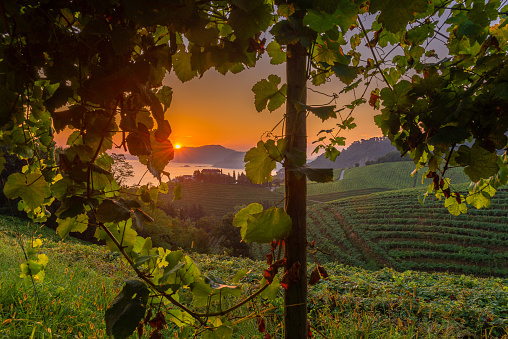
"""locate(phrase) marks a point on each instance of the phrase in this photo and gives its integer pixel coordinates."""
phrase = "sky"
(219, 110)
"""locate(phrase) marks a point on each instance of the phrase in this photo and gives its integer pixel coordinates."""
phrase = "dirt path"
(341, 176)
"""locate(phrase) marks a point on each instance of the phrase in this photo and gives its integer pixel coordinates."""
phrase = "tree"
(121, 170)
(108, 78)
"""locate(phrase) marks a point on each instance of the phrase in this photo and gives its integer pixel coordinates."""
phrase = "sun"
(177, 146)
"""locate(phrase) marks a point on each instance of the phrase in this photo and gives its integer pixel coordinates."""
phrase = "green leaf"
(182, 65)
(190, 272)
(127, 310)
(31, 187)
(331, 153)
(276, 152)
(112, 211)
(76, 224)
(259, 165)
(396, 14)
(398, 97)
(277, 55)
(319, 21)
(272, 291)
(454, 207)
(165, 95)
(240, 219)
(317, 174)
(221, 332)
(266, 226)
(123, 232)
(322, 112)
(480, 162)
(239, 275)
(162, 154)
(346, 74)
(448, 135)
(268, 95)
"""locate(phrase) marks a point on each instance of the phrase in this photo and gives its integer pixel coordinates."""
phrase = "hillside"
(373, 178)
(82, 280)
(218, 199)
(393, 229)
(358, 152)
(208, 154)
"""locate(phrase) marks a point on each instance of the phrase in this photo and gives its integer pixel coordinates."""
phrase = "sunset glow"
(177, 146)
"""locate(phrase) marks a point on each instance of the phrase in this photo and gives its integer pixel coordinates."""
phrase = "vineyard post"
(295, 296)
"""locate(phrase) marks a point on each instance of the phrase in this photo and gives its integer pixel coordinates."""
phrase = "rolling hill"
(392, 229)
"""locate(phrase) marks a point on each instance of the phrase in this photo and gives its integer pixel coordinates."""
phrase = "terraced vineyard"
(217, 199)
(393, 229)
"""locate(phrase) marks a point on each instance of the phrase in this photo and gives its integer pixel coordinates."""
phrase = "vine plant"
(96, 68)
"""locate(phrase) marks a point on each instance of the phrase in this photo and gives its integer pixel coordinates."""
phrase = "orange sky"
(217, 109)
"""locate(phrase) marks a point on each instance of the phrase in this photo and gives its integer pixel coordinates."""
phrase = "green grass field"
(83, 279)
(378, 177)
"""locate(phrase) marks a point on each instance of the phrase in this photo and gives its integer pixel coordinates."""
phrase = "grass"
(380, 177)
(83, 279)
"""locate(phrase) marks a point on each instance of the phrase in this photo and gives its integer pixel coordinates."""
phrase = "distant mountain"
(209, 154)
(358, 152)
(234, 160)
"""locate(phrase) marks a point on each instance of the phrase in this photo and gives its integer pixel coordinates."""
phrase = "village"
(215, 175)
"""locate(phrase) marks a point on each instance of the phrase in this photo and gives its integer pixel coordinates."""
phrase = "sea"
(175, 169)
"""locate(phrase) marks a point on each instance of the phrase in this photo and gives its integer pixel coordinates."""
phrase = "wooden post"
(295, 297)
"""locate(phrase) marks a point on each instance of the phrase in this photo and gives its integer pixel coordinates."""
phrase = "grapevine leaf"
(285, 9)
(123, 232)
(322, 112)
(480, 162)
(277, 56)
(275, 151)
(266, 226)
(454, 207)
(319, 21)
(259, 165)
(2, 162)
(331, 153)
(346, 74)
(190, 272)
(182, 65)
(317, 174)
(127, 309)
(240, 219)
(31, 187)
(267, 94)
(76, 224)
(272, 290)
(162, 154)
(448, 135)
(239, 275)
(112, 211)
(396, 14)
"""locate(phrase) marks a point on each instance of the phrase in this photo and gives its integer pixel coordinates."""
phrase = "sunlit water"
(175, 169)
